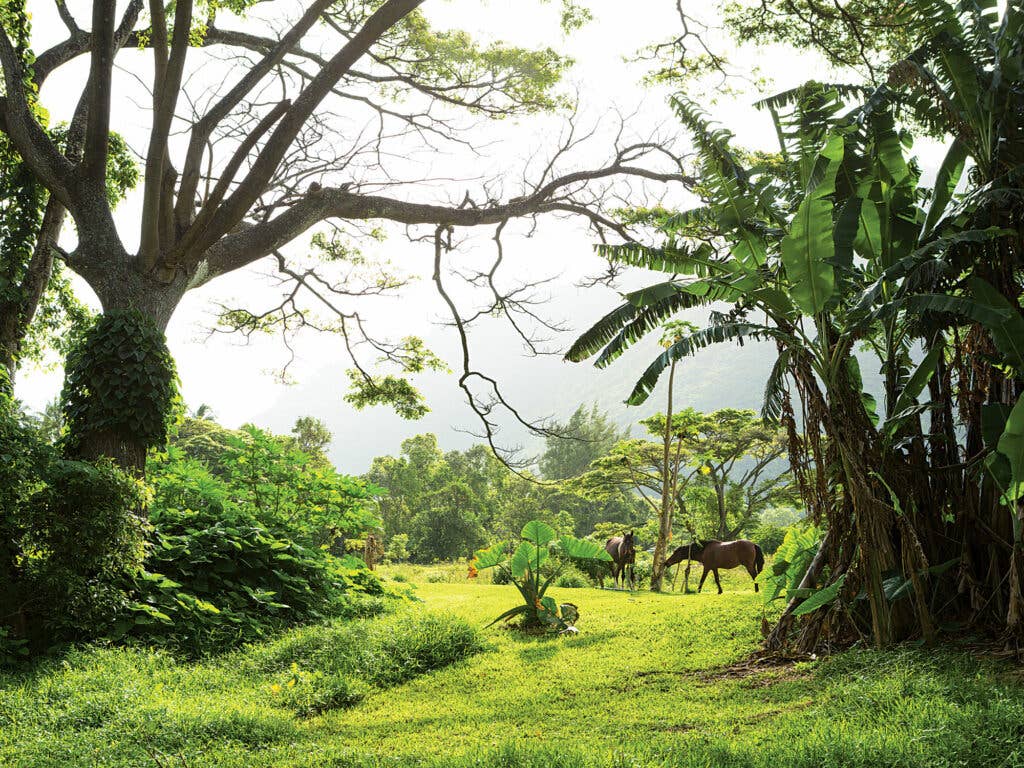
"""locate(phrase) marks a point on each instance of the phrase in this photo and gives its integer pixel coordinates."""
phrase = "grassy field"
(645, 683)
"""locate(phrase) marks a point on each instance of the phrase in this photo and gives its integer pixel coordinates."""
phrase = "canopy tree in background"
(724, 469)
(442, 500)
(739, 454)
(297, 132)
(312, 434)
(587, 435)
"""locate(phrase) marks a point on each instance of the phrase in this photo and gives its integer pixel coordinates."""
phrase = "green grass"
(643, 684)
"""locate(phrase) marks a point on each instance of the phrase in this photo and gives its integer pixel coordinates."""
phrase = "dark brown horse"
(623, 553)
(716, 554)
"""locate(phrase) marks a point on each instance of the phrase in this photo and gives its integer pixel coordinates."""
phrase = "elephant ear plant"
(538, 544)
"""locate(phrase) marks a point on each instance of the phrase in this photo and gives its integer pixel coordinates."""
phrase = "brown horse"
(623, 553)
(716, 554)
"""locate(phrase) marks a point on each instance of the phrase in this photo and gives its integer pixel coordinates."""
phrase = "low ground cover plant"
(523, 567)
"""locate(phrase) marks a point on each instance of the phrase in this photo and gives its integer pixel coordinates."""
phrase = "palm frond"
(690, 345)
(775, 389)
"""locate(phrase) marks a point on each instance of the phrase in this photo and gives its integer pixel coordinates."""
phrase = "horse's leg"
(753, 576)
(717, 582)
(703, 575)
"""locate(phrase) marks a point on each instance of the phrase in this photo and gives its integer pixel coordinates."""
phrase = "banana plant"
(523, 564)
(819, 248)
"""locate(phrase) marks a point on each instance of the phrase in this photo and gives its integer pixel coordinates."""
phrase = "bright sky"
(237, 381)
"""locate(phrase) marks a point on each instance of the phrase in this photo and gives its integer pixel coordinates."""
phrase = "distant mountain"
(540, 387)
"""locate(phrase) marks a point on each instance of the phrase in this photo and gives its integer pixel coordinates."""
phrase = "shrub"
(219, 577)
(332, 666)
(83, 539)
(231, 559)
(572, 581)
(312, 693)
(67, 540)
(768, 537)
(572, 578)
(397, 548)
(415, 643)
(280, 484)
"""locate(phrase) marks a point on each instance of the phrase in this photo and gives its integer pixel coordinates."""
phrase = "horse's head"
(628, 548)
(691, 551)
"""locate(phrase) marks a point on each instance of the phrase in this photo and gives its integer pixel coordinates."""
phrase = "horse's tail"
(758, 560)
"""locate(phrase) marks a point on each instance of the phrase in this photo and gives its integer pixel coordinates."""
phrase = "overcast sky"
(238, 381)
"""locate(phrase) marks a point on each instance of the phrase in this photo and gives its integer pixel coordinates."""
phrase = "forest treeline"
(593, 480)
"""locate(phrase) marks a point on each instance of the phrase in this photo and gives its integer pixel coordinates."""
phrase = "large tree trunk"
(118, 290)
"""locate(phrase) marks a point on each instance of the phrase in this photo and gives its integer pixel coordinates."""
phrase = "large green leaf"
(510, 613)
(964, 306)
(950, 171)
(1011, 445)
(1008, 333)
(809, 249)
(538, 533)
(583, 549)
(527, 556)
(807, 252)
(869, 232)
(820, 597)
(918, 380)
(690, 345)
(490, 557)
(845, 233)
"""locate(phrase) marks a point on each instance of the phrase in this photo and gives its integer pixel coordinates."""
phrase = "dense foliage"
(449, 504)
(833, 242)
(729, 470)
(235, 542)
(68, 539)
(120, 390)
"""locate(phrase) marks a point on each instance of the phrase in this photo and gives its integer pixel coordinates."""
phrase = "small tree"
(312, 434)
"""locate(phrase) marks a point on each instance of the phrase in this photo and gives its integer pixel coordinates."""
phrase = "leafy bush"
(768, 537)
(282, 484)
(791, 563)
(220, 576)
(572, 578)
(236, 555)
(82, 539)
(313, 693)
(330, 667)
(67, 541)
(222, 559)
(397, 548)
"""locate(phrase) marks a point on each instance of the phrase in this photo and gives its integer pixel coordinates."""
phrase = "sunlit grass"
(643, 684)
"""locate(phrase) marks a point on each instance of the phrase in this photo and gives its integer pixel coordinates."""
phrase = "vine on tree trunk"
(120, 390)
